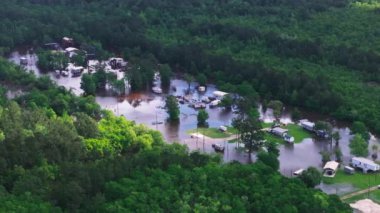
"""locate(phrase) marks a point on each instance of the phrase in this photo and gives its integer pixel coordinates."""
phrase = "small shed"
(279, 131)
(330, 168)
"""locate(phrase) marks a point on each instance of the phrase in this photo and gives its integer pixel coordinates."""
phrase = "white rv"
(365, 164)
(307, 125)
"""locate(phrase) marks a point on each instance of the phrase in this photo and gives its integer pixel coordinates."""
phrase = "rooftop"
(333, 165)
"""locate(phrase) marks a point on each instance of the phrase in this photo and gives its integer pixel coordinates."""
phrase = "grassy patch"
(296, 131)
(373, 195)
(270, 137)
(210, 132)
(358, 180)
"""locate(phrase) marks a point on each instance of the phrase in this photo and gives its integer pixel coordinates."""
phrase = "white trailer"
(365, 164)
(307, 125)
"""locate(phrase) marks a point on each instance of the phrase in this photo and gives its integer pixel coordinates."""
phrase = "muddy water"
(147, 108)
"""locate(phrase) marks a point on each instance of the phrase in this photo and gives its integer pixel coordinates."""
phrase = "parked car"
(218, 147)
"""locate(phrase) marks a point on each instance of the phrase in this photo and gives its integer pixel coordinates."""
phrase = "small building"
(307, 125)
(330, 168)
(23, 61)
(67, 42)
(201, 88)
(279, 131)
(349, 170)
(219, 94)
(364, 164)
(214, 103)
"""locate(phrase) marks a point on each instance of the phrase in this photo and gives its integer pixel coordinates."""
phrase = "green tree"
(358, 146)
(338, 154)
(202, 79)
(277, 107)
(251, 134)
(336, 137)
(296, 115)
(165, 73)
(359, 127)
(172, 108)
(88, 84)
(188, 78)
(311, 177)
(226, 102)
(202, 117)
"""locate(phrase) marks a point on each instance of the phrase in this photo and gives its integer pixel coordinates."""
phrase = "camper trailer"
(364, 164)
(307, 125)
(279, 131)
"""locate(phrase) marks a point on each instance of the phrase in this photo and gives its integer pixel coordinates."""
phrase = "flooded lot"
(147, 108)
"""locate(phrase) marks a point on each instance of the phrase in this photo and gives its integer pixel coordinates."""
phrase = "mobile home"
(365, 164)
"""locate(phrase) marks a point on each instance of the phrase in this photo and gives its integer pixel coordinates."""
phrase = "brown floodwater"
(147, 108)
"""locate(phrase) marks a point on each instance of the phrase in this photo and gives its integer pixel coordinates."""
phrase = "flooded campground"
(148, 108)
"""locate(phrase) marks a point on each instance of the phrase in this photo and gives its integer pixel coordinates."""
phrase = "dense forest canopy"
(319, 55)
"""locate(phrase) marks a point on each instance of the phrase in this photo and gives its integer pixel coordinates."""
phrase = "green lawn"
(213, 132)
(373, 195)
(358, 180)
(296, 131)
